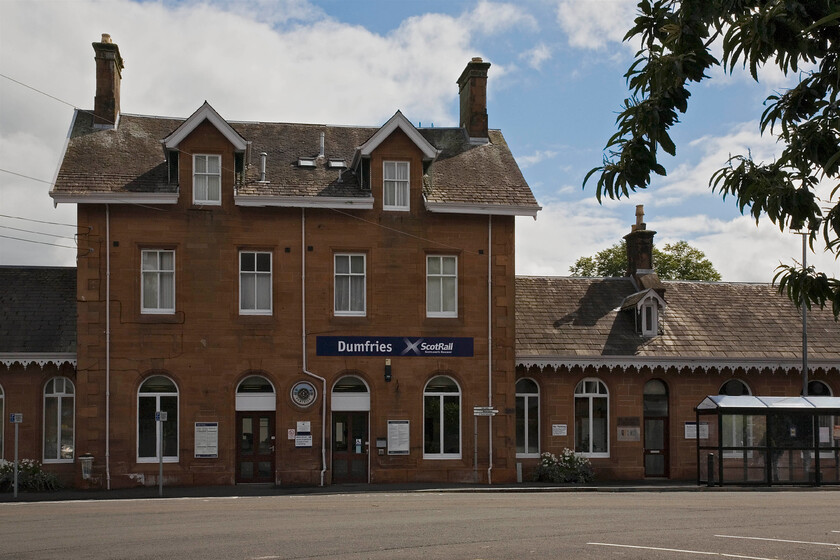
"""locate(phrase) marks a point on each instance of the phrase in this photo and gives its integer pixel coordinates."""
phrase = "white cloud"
(269, 61)
(596, 24)
(536, 157)
(493, 17)
(536, 56)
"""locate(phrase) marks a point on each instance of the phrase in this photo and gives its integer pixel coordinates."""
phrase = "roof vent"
(306, 162)
(263, 157)
(337, 162)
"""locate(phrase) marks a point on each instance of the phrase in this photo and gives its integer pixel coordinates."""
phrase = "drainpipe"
(490, 344)
(303, 345)
(108, 346)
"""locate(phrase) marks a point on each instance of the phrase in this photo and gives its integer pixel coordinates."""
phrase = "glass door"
(254, 447)
(349, 447)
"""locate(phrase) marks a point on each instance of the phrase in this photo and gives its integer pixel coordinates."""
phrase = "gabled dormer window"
(647, 307)
(649, 318)
(207, 179)
(395, 188)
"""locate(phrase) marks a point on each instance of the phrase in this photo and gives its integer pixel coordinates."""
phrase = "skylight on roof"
(336, 162)
(306, 162)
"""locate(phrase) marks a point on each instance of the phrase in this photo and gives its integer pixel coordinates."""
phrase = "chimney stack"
(472, 87)
(639, 247)
(109, 65)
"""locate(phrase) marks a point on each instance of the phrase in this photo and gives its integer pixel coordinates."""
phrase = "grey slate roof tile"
(37, 309)
(130, 159)
(559, 316)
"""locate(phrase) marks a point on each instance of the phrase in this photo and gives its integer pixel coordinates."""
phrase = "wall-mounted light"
(387, 370)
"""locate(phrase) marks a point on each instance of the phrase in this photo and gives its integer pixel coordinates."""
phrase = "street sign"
(160, 416)
(484, 411)
(16, 417)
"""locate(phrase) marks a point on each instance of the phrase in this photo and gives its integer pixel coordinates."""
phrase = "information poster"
(207, 440)
(691, 430)
(398, 437)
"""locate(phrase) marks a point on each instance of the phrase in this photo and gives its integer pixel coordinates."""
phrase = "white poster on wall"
(207, 440)
(398, 442)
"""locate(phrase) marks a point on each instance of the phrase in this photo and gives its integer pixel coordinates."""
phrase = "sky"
(555, 87)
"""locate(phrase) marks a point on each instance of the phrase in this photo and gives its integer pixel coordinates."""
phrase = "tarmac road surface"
(790, 525)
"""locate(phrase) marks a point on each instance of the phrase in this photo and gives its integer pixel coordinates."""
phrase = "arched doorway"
(256, 405)
(350, 404)
(655, 404)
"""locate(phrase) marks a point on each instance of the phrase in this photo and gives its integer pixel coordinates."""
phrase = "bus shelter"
(768, 440)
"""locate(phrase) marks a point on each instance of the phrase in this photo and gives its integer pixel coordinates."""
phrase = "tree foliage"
(800, 37)
(676, 261)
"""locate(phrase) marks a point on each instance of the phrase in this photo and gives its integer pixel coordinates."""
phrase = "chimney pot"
(109, 65)
(639, 247)
(472, 87)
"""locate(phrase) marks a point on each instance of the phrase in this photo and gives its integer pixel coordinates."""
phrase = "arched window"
(527, 418)
(59, 420)
(592, 402)
(442, 419)
(157, 394)
(818, 389)
(350, 394)
(735, 388)
(736, 432)
(255, 393)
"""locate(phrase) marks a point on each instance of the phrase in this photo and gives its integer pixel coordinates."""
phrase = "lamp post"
(804, 319)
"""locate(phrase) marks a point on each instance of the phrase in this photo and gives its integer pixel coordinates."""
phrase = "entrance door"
(255, 447)
(656, 428)
(349, 447)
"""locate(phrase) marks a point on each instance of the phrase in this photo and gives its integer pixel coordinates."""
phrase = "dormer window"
(207, 179)
(650, 319)
(647, 307)
(395, 188)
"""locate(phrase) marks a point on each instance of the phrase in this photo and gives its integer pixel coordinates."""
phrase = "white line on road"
(837, 545)
(681, 550)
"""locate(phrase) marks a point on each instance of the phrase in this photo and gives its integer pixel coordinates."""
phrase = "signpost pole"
(160, 418)
(17, 424)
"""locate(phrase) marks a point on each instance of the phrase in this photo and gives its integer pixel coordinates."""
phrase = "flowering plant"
(568, 466)
(30, 476)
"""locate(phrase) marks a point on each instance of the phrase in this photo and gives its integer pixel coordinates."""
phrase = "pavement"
(256, 490)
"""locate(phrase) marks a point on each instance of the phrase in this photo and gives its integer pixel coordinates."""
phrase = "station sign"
(408, 346)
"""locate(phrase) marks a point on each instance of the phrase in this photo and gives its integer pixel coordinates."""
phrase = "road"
(581, 525)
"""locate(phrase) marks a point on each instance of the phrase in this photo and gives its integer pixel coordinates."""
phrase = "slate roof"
(37, 309)
(130, 160)
(579, 317)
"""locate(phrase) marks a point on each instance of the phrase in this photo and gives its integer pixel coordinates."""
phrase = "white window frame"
(735, 429)
(650, 307)
(59, 395)
(441, 395)
(350, 312)
(526, 397)
(161, 274)
(202, 180)
(402, 186)
(590, 396)
(157, 396)
(251, 276)
(438, 278)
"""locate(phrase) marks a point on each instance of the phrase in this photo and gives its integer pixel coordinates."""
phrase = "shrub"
(31, 477)
(567, 467)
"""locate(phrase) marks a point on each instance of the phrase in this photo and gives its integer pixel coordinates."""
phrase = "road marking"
(780, 540)
(702, 552)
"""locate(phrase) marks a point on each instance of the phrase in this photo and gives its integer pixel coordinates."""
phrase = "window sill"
(148, 460)
(527, 455)
(594, 455)
(442, 457)
(57, 461)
